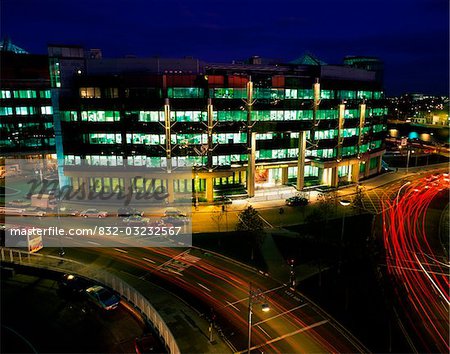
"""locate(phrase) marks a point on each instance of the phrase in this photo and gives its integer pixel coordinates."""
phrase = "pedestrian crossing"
(179, 263)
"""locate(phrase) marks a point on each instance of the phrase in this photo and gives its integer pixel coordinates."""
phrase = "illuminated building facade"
(26, 113)
(242, 126)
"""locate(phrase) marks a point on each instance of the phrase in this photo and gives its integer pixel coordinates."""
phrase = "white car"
(102, 297)
(93, 213)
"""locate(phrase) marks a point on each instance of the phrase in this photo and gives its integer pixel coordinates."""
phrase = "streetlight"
(254, 296)
(345, 203)
(398, 194)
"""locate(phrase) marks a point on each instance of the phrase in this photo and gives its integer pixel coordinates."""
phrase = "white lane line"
(93, 243)
(230, 304)
(204, 287)
(120, 250)
(304, 329)
(264, 292)
(68, 237)
(171, 259)
(280, 314)
(148, 260)
(262, 330)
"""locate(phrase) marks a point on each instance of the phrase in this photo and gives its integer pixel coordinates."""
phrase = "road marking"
(233, 306)
(262, 330)
(265, 221)
(93, 243)
(173, 258)
(120, 250)
(304, 329)
(68, 237)
(264, 292)
(280, 314)
(204, 287)
(148, 260)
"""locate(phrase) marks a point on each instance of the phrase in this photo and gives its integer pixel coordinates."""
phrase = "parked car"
(34, 212)
(136, 220)
(128, 211)
(148, 344)
(103, 297)
(19, 203)
(64, 211)
(174, 212)
(175, 220)
(93, 213)
(297, 201)
(73, 284)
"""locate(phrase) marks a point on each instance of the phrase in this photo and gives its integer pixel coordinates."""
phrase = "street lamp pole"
(344, 203)
(254, 296)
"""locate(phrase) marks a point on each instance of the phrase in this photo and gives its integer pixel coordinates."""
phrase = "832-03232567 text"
(98, 230)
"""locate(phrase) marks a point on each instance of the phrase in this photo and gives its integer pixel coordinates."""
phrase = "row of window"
(241, 93)
(25, 111)
(5, 94)
(222, 116)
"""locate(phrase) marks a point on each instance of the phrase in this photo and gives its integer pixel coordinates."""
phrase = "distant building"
(241, 126)
(26, 112)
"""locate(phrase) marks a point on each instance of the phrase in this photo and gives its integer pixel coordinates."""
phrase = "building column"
(284, 175)
(210, 189)
(170, 191)
(367, 168)
(301, 160)
(340, 134)
(334, 177)
(167, 128)
(251, 167)
(320, 175)
(379, 163)
(210, 126)
(355, 172)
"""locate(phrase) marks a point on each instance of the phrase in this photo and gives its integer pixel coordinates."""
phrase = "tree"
(251, 222)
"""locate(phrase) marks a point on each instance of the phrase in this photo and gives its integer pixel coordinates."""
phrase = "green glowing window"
(69, 116)
(310, 171)
(22, 111)
(378, 111)
(327, 94)
(45, 94)
(6, 111)
(373, 163)
(105, 138)
(228, 93)
(24, 94)
(363, 148)
(46, 110)
(349, 132)
(188, 116)
(346, 95)
(327, 114)
(187, 139)
(379, 128)
(325, 134)
(5, 94)
(364, 95)
(375, 144)
(266, 136)
(90, 92)
(185, 92)
(349, 150)
(232, 115)
(55, 73)
(146, 139)
(351, 113)
(100, 116)
(291, 94)
(378, 95)
(322, 153)
(151, 116)
(268, 93)
(101, 160)
(229, 138)
(305, 94)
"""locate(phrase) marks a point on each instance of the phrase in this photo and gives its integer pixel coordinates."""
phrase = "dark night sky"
(410, 36)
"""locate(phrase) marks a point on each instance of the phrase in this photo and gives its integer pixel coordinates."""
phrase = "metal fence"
(127, 292)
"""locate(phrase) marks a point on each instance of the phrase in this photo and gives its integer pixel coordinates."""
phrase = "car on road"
(33, 212)
(148, 344)
(93, 213)
(136, 220)
(73, 284)
(297, 201)
(128, 211)
(175, 220)
(103, 297)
